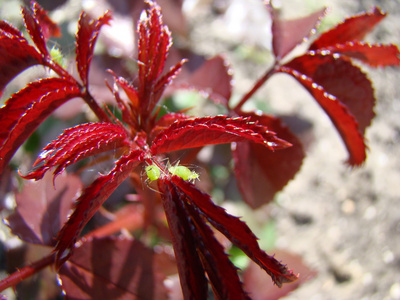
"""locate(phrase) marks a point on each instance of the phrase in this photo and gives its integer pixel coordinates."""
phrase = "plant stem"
(98, 111)
(25, 272)
(258, 84)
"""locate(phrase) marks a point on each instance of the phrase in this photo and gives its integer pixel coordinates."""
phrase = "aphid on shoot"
(183, 172)
(57, 56)
(153, 172)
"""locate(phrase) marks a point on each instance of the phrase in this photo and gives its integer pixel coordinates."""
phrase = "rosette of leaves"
(266, 154)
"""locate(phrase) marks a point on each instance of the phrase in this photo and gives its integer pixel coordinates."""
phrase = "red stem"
(99, 112)
(86, 96)
(258, 84)
(25, 272)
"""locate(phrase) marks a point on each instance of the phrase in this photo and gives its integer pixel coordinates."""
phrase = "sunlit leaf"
(86, 37)
(78, 143)
(373, 55)
(28, 108)
(351, 29)
(214, 130)
(340, 78)
(34, 29)
(340, 115)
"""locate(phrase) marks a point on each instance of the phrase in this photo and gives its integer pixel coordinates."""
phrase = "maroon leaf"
(166, 121)
(261, 173)
(374, 55)
(351, 29)
(8, 29)
(131, 92)
(16, 56)
(214, 130)
(341, 79)
(191, 272)
(28, 108)
(34, 28)
(154, 43)
(340, 115)
(256, 283)
(86, 37)
(51, 202)
(90, 201)
(78, 143)
(49, 28)
(213, 79)
(112, 268)
(221, 272)
(235, 230)
(163, 82)
(287, 34)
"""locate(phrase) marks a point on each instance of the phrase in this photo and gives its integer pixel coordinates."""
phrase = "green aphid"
(183, 172)
(57, 56)
(153, 172)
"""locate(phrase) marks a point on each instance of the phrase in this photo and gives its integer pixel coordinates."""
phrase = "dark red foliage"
(341, 88)
(88, 31)
(51, 201)
(351, 29)
(267, 155)
(254, 162)
(112, 268)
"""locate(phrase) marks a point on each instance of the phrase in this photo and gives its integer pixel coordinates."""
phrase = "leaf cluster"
(266, 153)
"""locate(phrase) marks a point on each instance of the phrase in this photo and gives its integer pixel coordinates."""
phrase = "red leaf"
(78, 143)
(16, 56)
(39, 26)
(261, 173)
(235, 230)
(86, 37)
(213, 79)
(287, 34)
(214, 130)
(166, 121)
(374, 55)
(341, 79)
(191, 272)
(9, 30)
(340, 115)
(90, 201)
(28, 108)
(130, 91)
(51, 202)
(163, 82)
(351, 29)
(112, 268)
(154, 43)
(221, 272)
(49, 28)
(261, 289)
